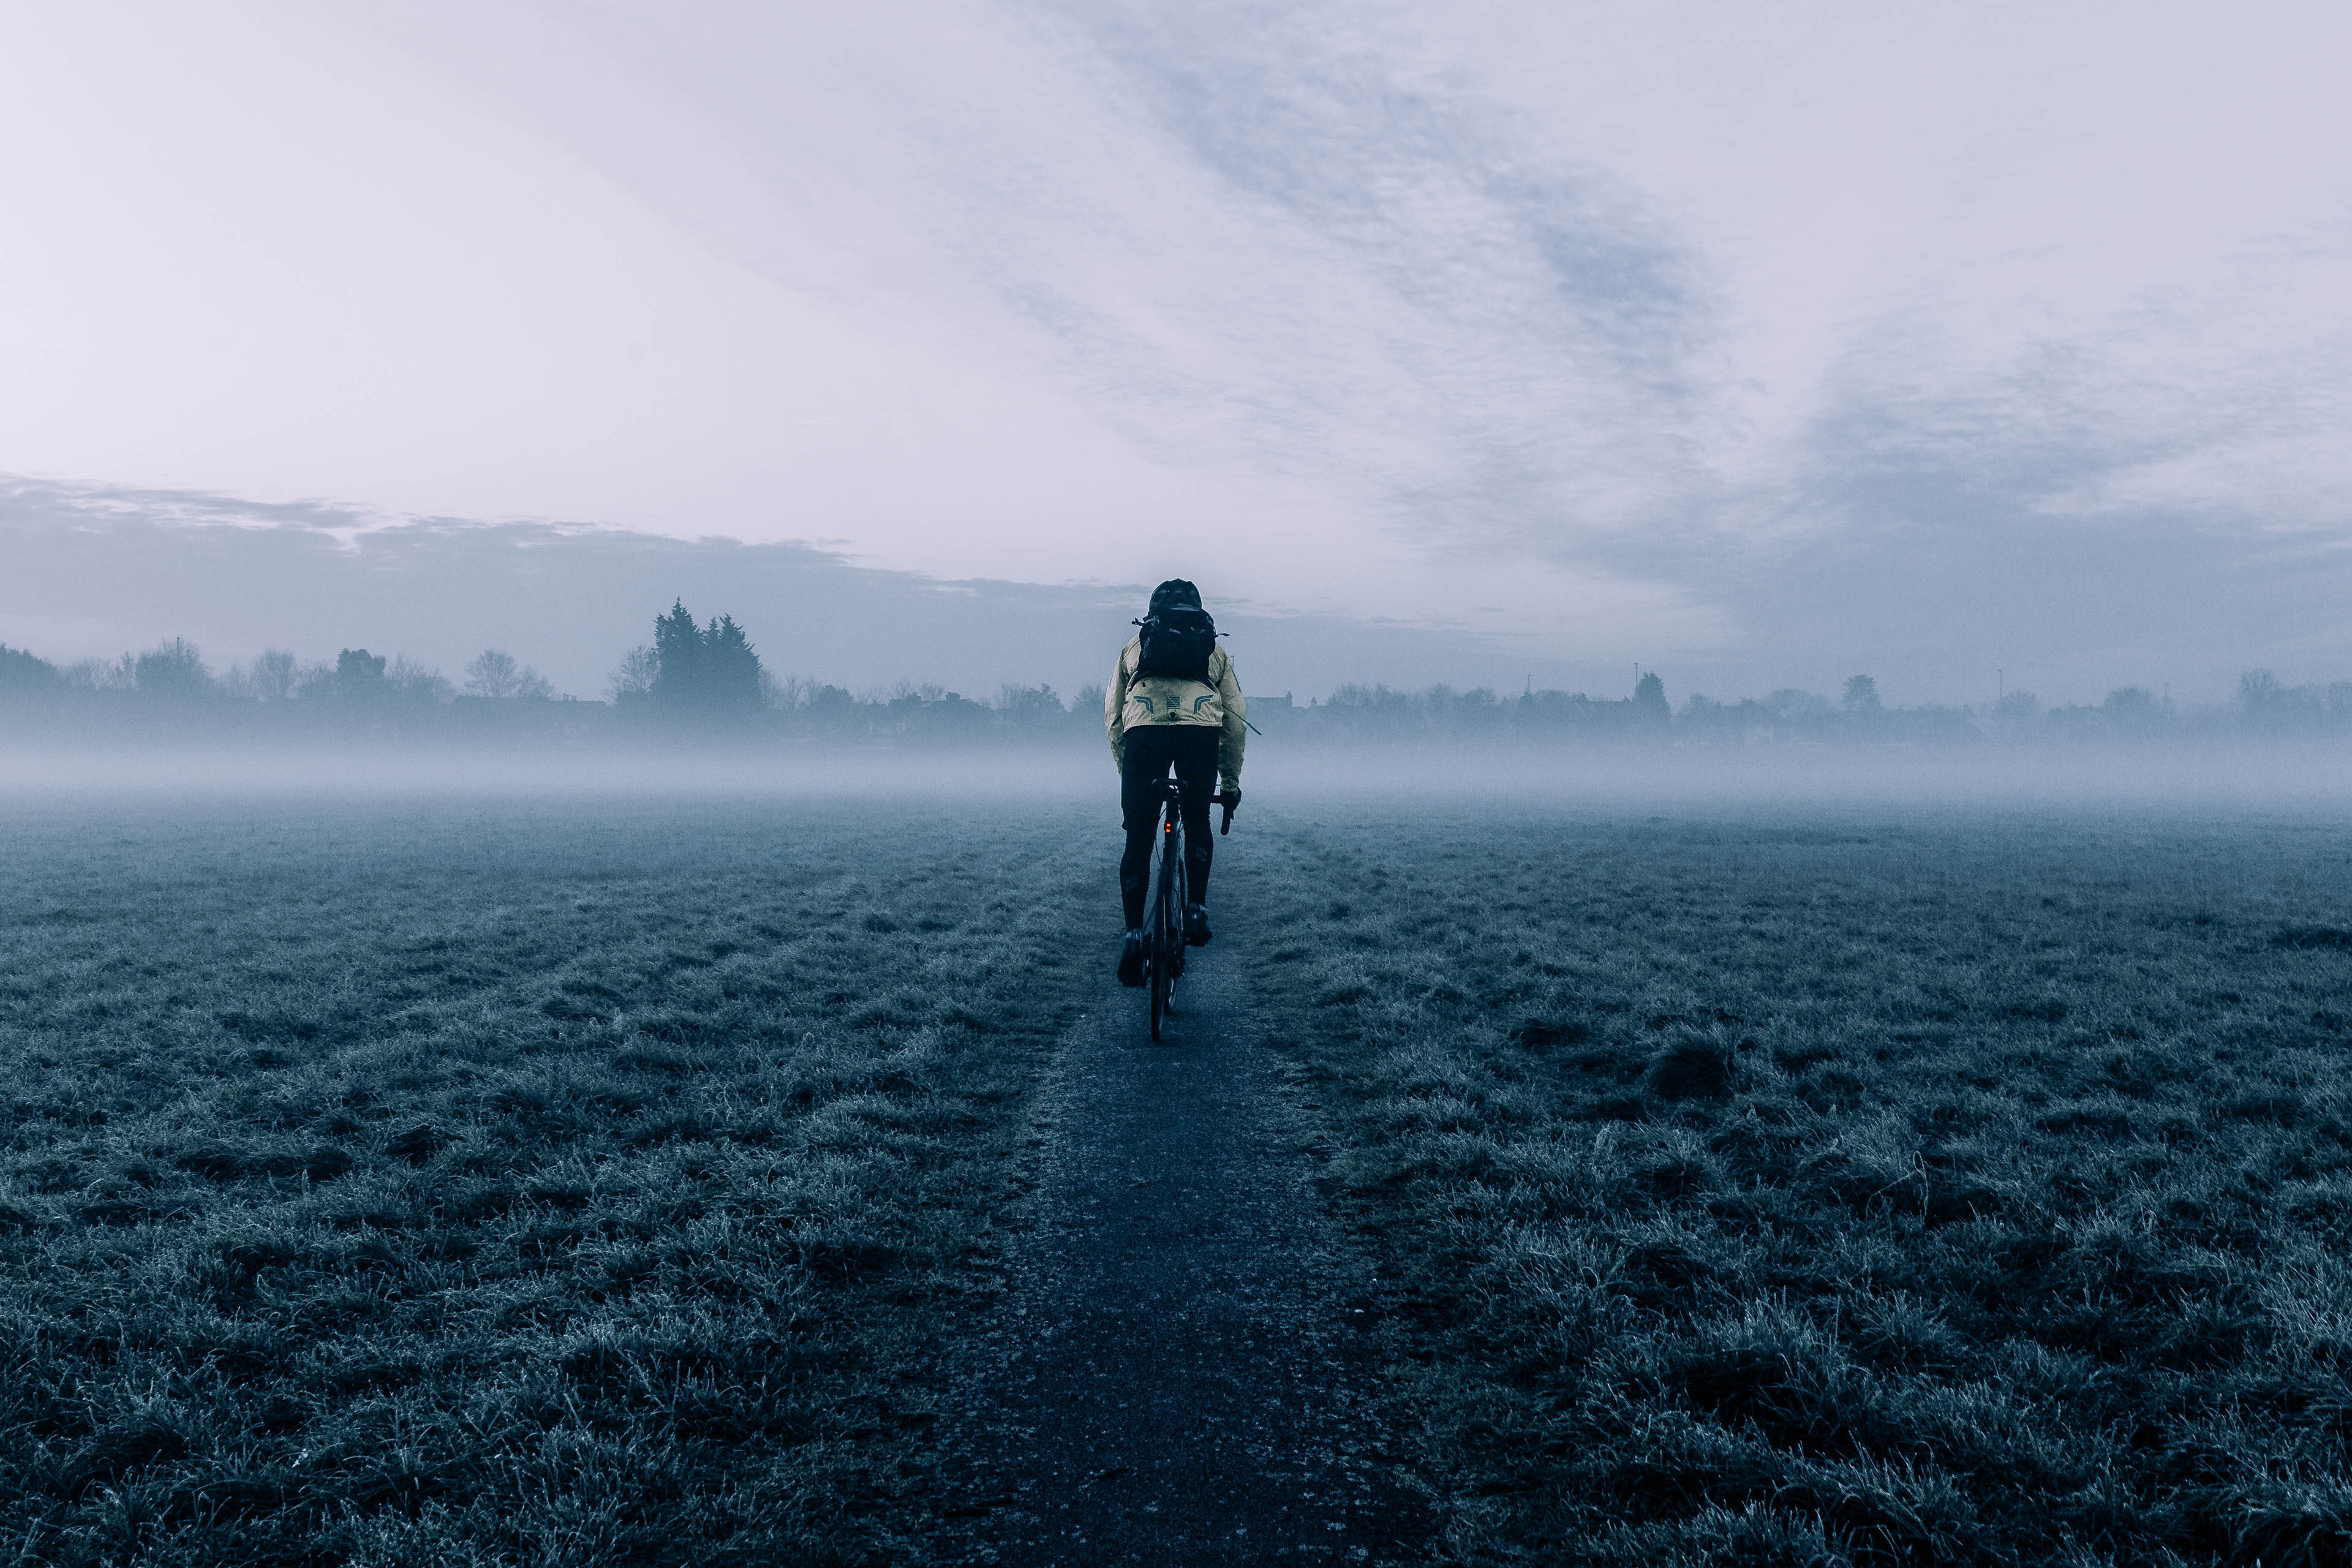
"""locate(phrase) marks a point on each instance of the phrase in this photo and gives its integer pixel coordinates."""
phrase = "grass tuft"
(1693, 1068)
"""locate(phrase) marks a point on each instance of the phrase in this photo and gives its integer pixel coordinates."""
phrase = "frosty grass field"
(608, 1181)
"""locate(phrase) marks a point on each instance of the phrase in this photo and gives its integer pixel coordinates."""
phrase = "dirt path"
(1179, 1372)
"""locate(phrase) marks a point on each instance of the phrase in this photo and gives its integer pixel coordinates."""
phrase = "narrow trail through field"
(1180, 1372)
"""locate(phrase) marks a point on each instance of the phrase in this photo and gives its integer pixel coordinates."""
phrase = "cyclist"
(1194, 723)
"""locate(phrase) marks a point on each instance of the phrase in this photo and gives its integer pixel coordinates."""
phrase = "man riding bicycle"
(1173, 703)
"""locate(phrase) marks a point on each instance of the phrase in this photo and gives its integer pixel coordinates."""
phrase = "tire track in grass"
(1180, 1371)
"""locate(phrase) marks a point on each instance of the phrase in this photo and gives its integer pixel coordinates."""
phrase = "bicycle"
(1163, 950)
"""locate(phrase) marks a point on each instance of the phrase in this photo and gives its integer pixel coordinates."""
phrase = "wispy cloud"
(1512, 347)
(2160, 490)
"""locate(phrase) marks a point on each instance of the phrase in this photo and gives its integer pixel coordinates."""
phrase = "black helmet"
(1175, 591)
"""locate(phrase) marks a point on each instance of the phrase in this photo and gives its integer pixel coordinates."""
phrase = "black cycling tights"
(1192, 751)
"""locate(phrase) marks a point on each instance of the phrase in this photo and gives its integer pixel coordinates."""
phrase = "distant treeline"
(2263, 706)
(707, 677)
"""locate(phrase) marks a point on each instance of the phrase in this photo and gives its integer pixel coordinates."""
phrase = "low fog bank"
(374, 771)
(705, 684)
(1280, 778)
(696, 711)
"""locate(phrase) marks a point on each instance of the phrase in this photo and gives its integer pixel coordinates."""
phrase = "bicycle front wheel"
(1163, 960)
(1167, 934)
(1159, 986)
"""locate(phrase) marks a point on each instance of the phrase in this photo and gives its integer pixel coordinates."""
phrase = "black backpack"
(1177, 643)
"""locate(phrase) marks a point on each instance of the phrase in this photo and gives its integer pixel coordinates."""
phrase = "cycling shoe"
(1130, 959)
(1196, 925)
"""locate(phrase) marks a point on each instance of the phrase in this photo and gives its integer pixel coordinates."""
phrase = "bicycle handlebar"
(1228, 802)
(1168, 789)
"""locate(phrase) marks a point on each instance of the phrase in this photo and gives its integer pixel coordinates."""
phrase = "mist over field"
(165, 719)
(2220, 785)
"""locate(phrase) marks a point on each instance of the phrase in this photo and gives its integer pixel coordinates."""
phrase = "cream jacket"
(1135, 700)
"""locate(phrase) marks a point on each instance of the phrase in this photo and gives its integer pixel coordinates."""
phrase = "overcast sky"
(1767, 343)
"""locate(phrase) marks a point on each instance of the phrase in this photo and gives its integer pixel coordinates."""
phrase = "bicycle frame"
(1171, 890)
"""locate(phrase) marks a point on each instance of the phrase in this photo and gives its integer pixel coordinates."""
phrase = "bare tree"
(172, 669)
(492, 674)
(419, 682)
(1029, 707)
(271, 674)
(783, 692)
(634, 678)
(103, 675)
(269, 679)
(497, 676)
(2261, 693)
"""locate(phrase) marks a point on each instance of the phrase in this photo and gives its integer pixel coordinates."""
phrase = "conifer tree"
(730, 670)
(709, 668)
(677, 660)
